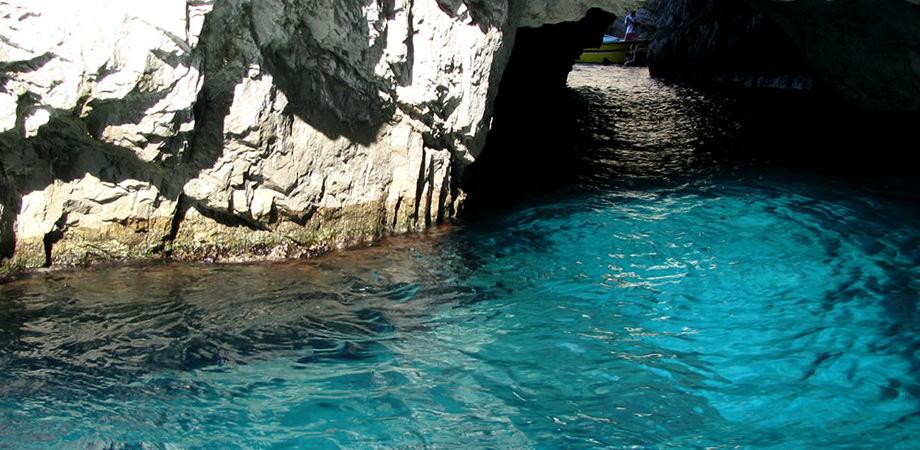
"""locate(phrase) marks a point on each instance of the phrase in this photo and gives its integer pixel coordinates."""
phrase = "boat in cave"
(614, 50)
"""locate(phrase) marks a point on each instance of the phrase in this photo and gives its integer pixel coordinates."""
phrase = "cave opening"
(535, 115)
(767, 104)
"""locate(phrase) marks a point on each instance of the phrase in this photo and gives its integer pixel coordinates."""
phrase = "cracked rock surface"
(240, 129)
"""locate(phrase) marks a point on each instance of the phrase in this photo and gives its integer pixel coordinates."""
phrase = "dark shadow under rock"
(534, 130)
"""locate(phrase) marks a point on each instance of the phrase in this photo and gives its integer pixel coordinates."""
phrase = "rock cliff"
(238, 129)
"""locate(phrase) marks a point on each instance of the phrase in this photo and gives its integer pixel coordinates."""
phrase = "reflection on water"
(667, 300)
(640, 130)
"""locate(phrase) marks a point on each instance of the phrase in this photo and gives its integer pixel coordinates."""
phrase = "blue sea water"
(667, 300)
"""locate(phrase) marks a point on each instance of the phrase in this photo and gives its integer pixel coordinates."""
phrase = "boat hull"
(613, 53)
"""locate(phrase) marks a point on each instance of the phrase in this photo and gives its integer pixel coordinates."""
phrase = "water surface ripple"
(668, 300)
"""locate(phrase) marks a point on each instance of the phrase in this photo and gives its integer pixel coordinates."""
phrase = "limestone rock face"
(94, 103)
(232, 129)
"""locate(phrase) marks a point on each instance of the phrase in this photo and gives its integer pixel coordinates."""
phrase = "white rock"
(36, 120)
(303, 117)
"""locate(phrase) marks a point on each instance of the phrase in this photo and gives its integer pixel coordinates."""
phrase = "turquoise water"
(666, 300)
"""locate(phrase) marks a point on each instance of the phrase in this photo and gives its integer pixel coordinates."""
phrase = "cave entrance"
(535, 116)
(552, 123)
(750, 97)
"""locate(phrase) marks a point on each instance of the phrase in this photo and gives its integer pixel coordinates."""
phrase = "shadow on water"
(616, 127)
(91, 333)
(96, 331)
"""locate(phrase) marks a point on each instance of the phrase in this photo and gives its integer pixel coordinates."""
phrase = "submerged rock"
(233, 129)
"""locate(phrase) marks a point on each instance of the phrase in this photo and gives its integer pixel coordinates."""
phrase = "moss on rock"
(203, 238)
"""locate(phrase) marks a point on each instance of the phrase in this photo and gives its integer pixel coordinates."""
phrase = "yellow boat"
(614, 51)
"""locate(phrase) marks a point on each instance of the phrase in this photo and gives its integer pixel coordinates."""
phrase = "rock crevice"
(240, 129)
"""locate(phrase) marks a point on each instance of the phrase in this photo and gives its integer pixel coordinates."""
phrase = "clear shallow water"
(670, 299)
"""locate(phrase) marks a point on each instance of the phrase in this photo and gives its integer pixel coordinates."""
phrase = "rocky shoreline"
(238, 129)
(259, 129)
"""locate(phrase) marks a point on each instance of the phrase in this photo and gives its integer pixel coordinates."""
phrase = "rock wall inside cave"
(724, 41)
(863, 52)
(838, 83)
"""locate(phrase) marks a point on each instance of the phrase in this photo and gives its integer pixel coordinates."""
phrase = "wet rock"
(864, 52)
(723, 41)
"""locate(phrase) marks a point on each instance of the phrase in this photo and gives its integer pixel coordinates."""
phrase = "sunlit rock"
(232, 129)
